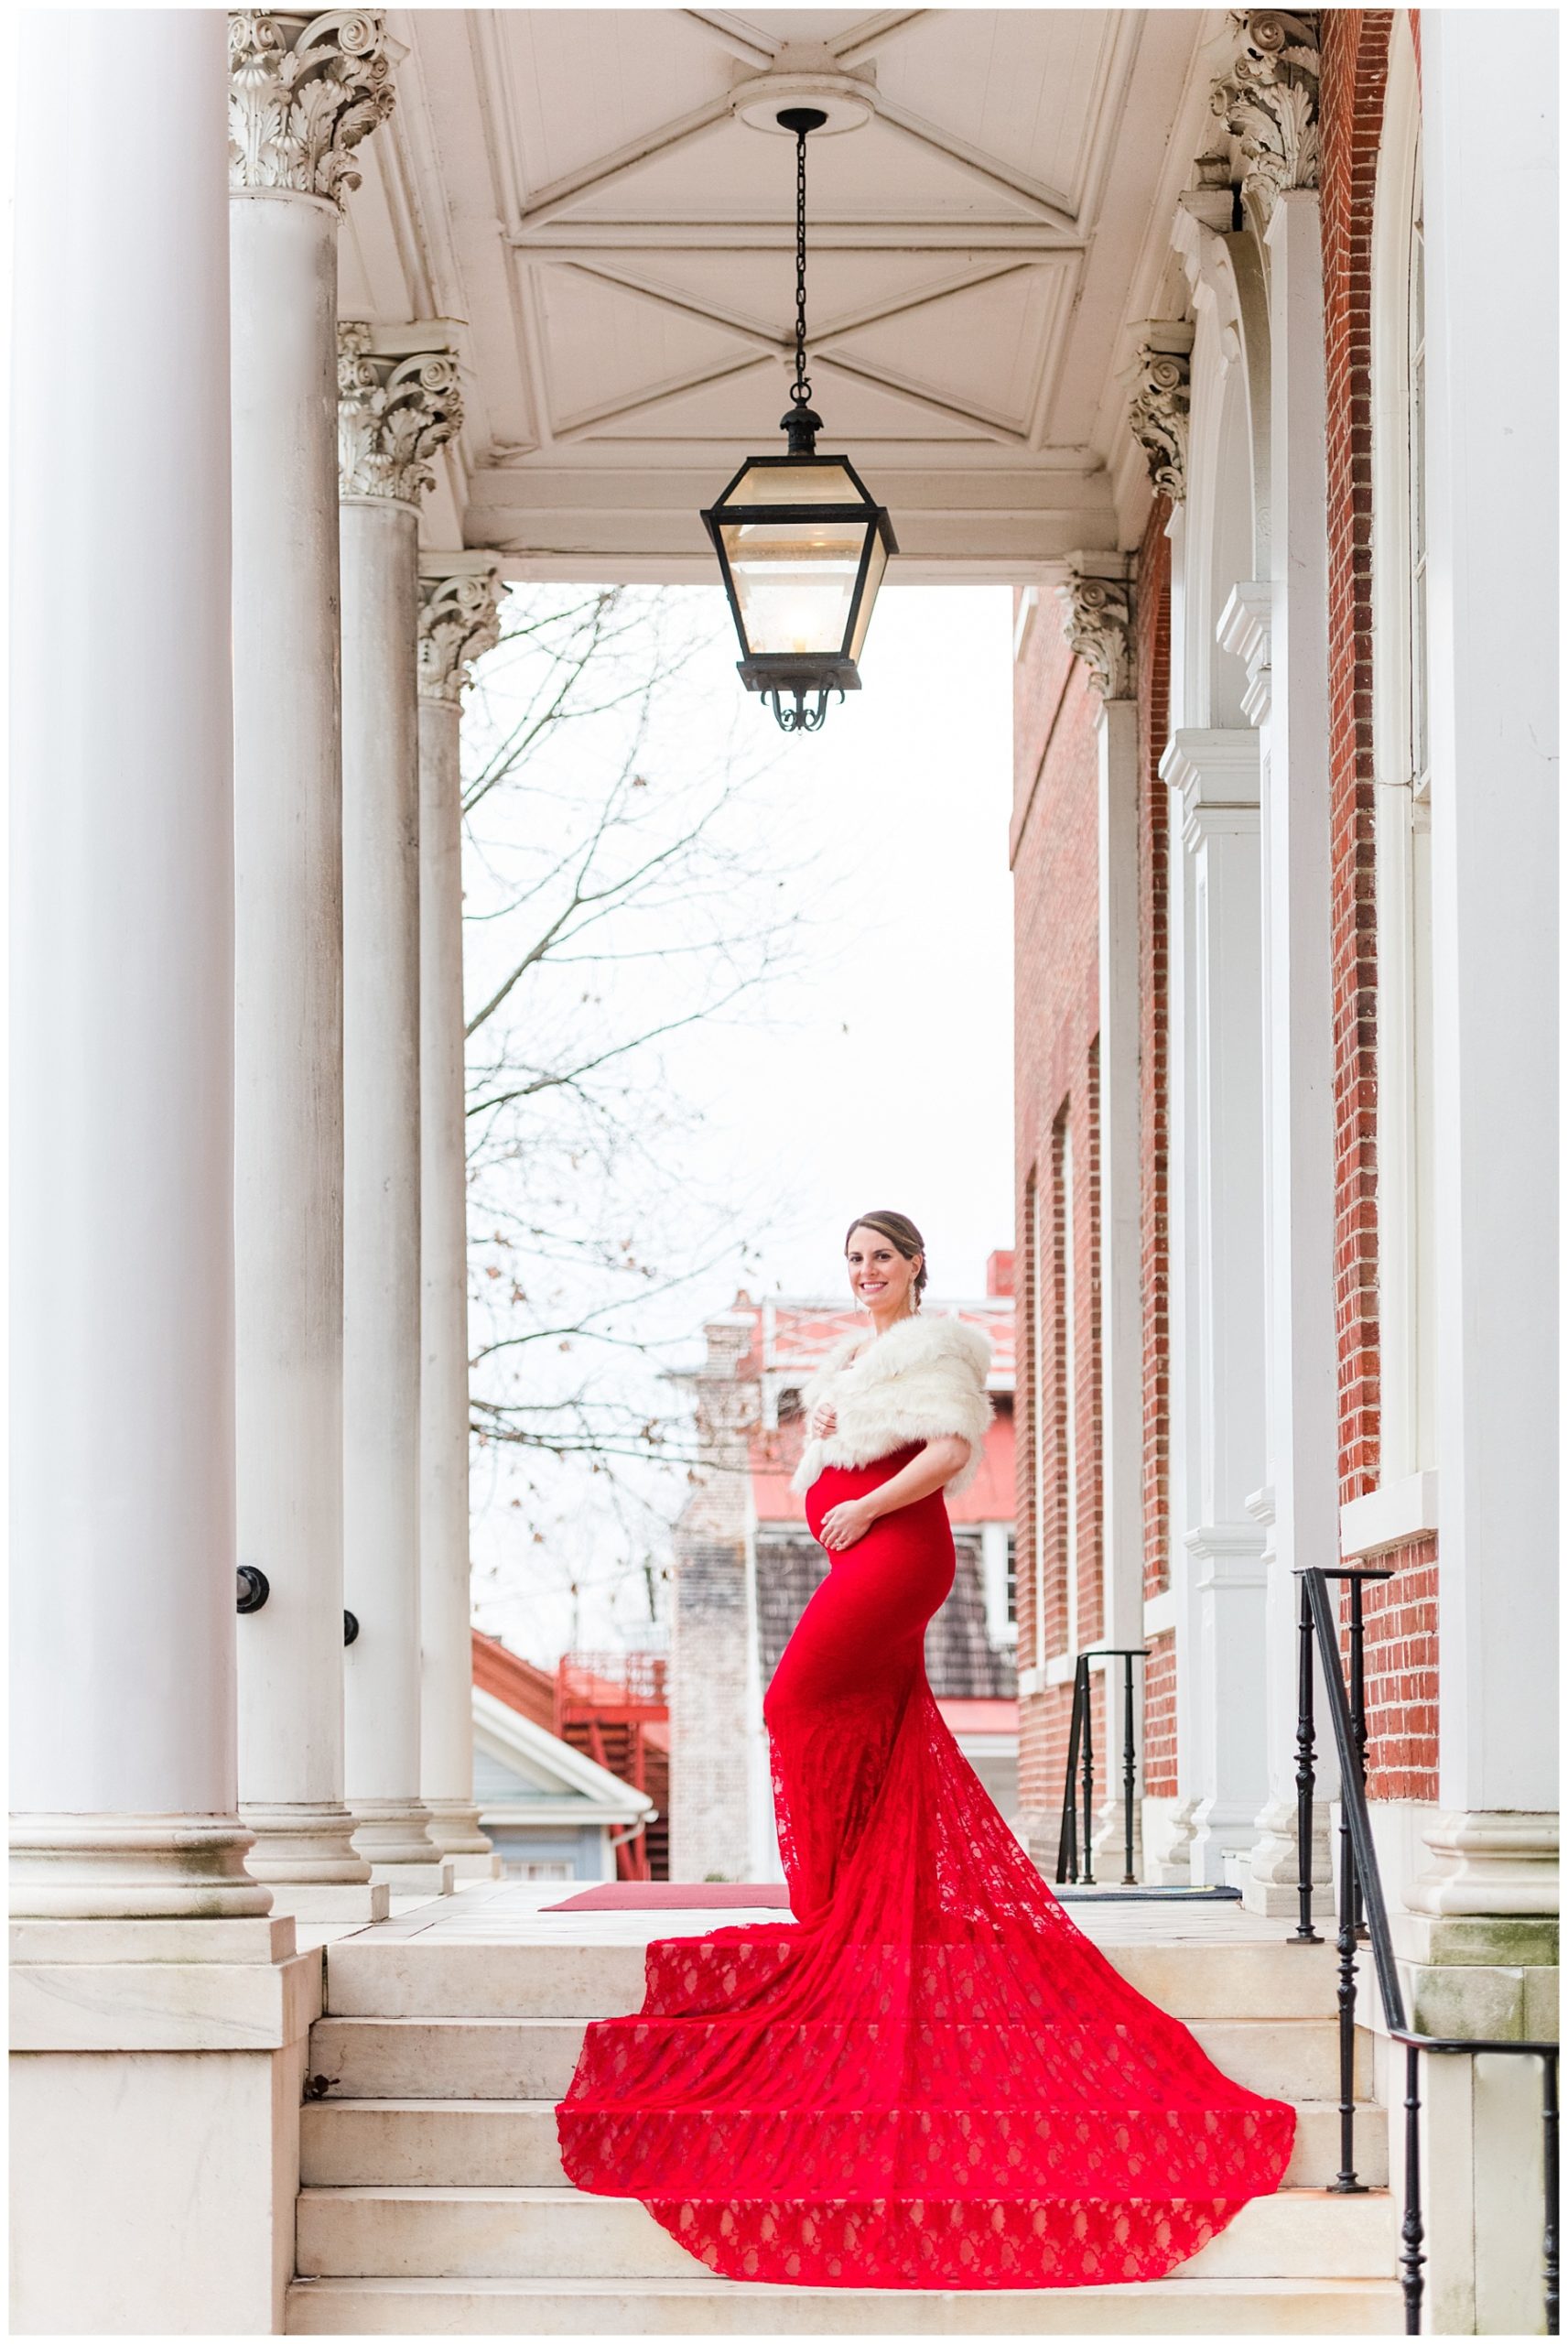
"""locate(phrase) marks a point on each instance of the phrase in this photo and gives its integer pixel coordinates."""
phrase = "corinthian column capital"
(1096, 619)
(460, 617)
(1158, 410)
(395, 407)
(1267, 101)
(303, 92)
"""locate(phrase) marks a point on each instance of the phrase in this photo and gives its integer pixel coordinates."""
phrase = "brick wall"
(1402, 1613)
(1056, 1020)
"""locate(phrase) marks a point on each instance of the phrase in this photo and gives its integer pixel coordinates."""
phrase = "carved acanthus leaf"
(1096, 619)
(393, 412)
(1269, 103)
(460, 618)
(303, 92)
(1158, 414)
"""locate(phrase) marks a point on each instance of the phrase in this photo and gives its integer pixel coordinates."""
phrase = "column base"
(1490, 1865)
(1223, 1836)
(417, 1879)
(393, 1831)
(156, 2072)
(132, 1867)
(1168, 1830)
(308, 1840)
(333, 1900)
(453, 1827)
(1270, 1878)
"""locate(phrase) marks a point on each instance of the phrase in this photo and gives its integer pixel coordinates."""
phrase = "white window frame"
(1406, 1234)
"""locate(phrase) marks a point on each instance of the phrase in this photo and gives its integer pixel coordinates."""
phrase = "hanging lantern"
(802, 544)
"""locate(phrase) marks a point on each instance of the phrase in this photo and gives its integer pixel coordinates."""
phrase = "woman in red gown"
(929, 2077)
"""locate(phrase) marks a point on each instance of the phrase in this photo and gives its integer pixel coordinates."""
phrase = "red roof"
(530, 1691)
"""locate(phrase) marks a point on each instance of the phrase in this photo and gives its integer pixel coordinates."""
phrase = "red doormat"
(687, 1897)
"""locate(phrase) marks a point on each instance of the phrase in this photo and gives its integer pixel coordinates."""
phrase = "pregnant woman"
(929, 2077)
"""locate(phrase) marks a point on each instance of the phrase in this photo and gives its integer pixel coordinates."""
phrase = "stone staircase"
(432, 2199)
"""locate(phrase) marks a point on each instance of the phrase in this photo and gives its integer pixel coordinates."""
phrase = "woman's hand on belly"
(843, 1524)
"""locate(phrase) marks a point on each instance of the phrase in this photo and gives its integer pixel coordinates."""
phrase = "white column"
(394, 407)
(302, 93)
(1216, 1280)
(122, 1436)
(457, 621)
(1492, 659)
(1280, 632)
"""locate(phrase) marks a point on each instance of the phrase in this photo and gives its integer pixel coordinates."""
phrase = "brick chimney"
(999, 1275)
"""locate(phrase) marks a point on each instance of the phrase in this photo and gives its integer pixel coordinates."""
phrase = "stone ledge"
(269, 1939)
(165, 2006)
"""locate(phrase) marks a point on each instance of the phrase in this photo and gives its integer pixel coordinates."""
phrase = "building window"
(1065, 1395)
(1400, 731)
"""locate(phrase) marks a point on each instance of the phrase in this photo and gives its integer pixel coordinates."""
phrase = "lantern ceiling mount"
(802, 544)
(764, 101)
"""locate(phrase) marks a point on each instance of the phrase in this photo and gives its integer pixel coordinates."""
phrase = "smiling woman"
(928, 2078)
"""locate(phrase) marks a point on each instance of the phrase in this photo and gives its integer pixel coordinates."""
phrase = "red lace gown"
(929, 2077)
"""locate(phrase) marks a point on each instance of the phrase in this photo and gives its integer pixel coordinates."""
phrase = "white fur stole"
(923, 1379)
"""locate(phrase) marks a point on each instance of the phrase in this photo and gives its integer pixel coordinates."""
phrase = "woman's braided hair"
(900, 1231)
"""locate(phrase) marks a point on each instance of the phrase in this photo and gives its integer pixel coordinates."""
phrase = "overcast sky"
(878, 1072)
(887, 1080)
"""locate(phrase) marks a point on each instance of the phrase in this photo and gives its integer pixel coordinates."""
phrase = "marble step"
(511, 2145)
(374, 1977)
(701, 2306)
(1300, 2234)
(533, 2059)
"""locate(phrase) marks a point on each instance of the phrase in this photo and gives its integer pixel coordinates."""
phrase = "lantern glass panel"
(875, 565)
(795, 582)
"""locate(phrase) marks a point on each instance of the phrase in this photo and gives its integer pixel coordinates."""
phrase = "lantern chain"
(801, 395)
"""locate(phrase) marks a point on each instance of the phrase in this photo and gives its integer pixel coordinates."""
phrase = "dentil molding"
(1096, 619)
(303, 92)
(1267, 101)
(460, 618)
(395, 407)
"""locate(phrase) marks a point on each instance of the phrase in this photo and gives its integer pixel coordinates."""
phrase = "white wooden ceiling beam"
(742, 41)
(862, 41)
(608, 170)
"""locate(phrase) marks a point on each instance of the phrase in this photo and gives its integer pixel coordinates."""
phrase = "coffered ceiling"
(581, 191)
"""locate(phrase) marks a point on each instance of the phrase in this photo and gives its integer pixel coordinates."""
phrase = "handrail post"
(1088, 1750)
(1068, 1843)
(1128, 1769)
(1345, 2183)
(1411, 2231)
(1306, 1774)
(1549, 2146)
(1359, 1711)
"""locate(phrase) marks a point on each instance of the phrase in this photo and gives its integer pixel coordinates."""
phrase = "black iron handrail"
(1363, 1913)
(1081, 1769)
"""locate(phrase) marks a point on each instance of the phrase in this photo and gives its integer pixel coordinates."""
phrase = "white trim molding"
(1392, 1516)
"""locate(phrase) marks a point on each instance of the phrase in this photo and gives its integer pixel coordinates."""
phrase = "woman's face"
(880, 1279)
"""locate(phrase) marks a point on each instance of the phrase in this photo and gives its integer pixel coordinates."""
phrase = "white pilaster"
(1097, 618)
(1281, 633)
(1491, 456)
(1216, 1285)
(303, 92)
(393, 408)
(1122, 1249)
(457, 621)
(122, 1717)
